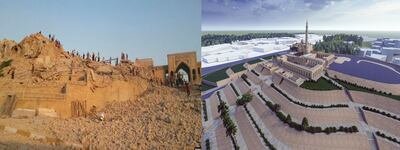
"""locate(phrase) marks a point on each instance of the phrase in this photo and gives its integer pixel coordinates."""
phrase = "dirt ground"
(162, 118)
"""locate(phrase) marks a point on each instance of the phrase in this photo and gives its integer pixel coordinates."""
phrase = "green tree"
(214, 39)
(304, 123)
(288, 119)
(244, 99)
(223, 108)
(277, 107)
(340, 43)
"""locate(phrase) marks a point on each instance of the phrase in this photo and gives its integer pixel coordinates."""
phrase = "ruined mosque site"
(51, 98)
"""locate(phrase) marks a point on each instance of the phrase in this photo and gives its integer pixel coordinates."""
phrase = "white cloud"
(322, 15)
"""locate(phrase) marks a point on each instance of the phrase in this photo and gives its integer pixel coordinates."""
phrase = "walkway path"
(363, 121)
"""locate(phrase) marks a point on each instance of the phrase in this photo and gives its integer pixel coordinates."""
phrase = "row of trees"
(304, 126)
(340, 43)
(244, 77)
(372, 90)
(306, 105)
(254, 72)
(387, 137)
(381, 112)
(234, 89)
(230, 127)
(354, 86)
(205, 110)
(214, 39)
(344, 37)
(208, 146)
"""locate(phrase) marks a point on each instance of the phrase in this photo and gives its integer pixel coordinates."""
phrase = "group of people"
(124, 56)
(177, 80)
(96, 57)
(88, 56)
(53, 39)
(92, 57)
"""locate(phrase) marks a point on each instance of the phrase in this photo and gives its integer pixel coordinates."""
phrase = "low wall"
(50, 97)
(385, 87)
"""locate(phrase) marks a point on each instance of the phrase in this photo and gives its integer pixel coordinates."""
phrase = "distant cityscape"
(384, 49)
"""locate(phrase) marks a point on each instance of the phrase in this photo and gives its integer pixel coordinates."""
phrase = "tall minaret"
(306, 31)
(306, 35)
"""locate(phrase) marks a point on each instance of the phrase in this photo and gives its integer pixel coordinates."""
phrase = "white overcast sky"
(363, 15)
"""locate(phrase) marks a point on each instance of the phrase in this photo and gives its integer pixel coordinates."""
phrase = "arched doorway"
(183, 73)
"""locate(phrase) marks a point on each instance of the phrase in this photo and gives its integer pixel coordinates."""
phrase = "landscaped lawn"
(238, 68)
(361, 89)
(216, 76)
(321, 85)
(254, 61)
(267, 58)
(205, 87)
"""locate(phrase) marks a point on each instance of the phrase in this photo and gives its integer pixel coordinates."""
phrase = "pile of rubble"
(163, 118)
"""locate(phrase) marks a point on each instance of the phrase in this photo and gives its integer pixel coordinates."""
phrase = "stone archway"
(184, 70)
(186, 61)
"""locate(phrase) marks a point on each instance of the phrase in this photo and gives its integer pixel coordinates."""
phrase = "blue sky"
(141, 28)
(371, 15)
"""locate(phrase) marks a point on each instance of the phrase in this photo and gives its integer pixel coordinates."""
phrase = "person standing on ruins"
(187, 88)
(33, 68)
(171, 79)
(12, 70)
(122, 56)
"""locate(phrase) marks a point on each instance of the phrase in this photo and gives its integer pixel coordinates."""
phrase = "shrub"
(234, 89)
(387, 137)
(380, 112)
(288, 119)
(280, 115)
(277, 107)
(205, 110)
(304, 123)
(244, 77)
(208, 144)
(244, 99)
(318, 129)
(354, 129)
(254, 72)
